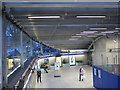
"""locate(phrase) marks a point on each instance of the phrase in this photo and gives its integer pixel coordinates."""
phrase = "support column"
(41, 49)
(31, 48)
(1, 46)
(22, 55)
(3, 59)
(118, 47)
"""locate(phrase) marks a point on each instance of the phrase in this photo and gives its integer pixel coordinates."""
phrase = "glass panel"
(13, 47)
(36, 48)
(26, 47)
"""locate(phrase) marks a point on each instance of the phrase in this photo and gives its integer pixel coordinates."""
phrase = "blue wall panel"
(119, 82)
(97, 82)
(107, 81)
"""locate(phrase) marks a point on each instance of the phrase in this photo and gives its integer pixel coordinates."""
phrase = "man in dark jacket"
(39, 75)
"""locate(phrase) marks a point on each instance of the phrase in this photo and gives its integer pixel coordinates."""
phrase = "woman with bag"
(81, 74)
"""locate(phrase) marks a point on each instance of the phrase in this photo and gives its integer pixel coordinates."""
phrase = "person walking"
(39, 76)
(81, 73)
(45, 68)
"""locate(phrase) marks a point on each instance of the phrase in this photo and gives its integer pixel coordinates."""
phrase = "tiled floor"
(68, 79)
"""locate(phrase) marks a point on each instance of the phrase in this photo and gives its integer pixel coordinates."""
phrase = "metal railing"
(26, 78)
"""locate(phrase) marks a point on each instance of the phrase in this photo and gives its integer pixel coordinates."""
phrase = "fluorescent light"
(98, 28)
(90, 16)
(100, 34)
(109, 32)
(89, 32)
(44, 17)
(81, 50)
(117, 28)
(91, 36)
(73, 39)
(82, 34)
(76, 36)
(114, 40)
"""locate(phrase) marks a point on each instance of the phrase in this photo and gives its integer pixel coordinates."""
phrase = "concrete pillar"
(31, 48)
(3, 59)
(119, 49)
(1, 45)
(22, 55)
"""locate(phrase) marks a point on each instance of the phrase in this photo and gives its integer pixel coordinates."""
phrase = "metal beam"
(61, 1)
(62, 4)
(22, 55)
(3, 58)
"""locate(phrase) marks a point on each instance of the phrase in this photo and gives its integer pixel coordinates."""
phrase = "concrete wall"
(102, 54)
(99, 53)
(83, 58)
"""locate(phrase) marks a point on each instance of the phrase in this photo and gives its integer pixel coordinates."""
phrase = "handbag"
(83, 77)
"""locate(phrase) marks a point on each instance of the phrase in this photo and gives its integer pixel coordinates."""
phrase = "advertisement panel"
(72, 60)
(58, 59)
(57, 66)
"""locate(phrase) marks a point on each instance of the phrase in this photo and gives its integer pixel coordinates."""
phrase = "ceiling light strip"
(76, 36)
(98, 28)
(43, 17)
(90, 16)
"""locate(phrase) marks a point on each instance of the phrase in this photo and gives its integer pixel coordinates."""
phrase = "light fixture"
(89, 32)
(73, 39)
(43, 17)
(82, 34)
(117, 28)
(98, 28)
(90, 16)
(100, 34)
(91, 36)
(114, 40)
(76, 36)
(109, 32)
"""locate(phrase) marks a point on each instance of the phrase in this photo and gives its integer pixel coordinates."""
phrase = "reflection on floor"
(68, 79)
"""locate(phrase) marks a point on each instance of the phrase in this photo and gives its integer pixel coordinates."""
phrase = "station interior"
(57, 38)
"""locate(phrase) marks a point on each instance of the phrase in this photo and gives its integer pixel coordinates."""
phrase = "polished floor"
(68, 79)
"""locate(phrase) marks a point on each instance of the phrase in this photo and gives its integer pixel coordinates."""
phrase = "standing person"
(81, 73)
(45, 68)
(39, 75)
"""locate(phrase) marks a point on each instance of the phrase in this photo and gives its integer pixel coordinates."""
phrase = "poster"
(72, 60)
(57, 65)
(99, 74)
(58, 59)
(95, 72)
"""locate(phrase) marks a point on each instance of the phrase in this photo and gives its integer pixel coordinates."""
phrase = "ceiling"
(61, 33)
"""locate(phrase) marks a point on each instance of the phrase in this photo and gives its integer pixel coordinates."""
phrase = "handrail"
(24, 77)
(30, 79)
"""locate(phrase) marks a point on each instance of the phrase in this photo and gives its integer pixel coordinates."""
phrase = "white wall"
(52, 60)
(99, 53)
(102, 55)
(83, 58)
(66, 58)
